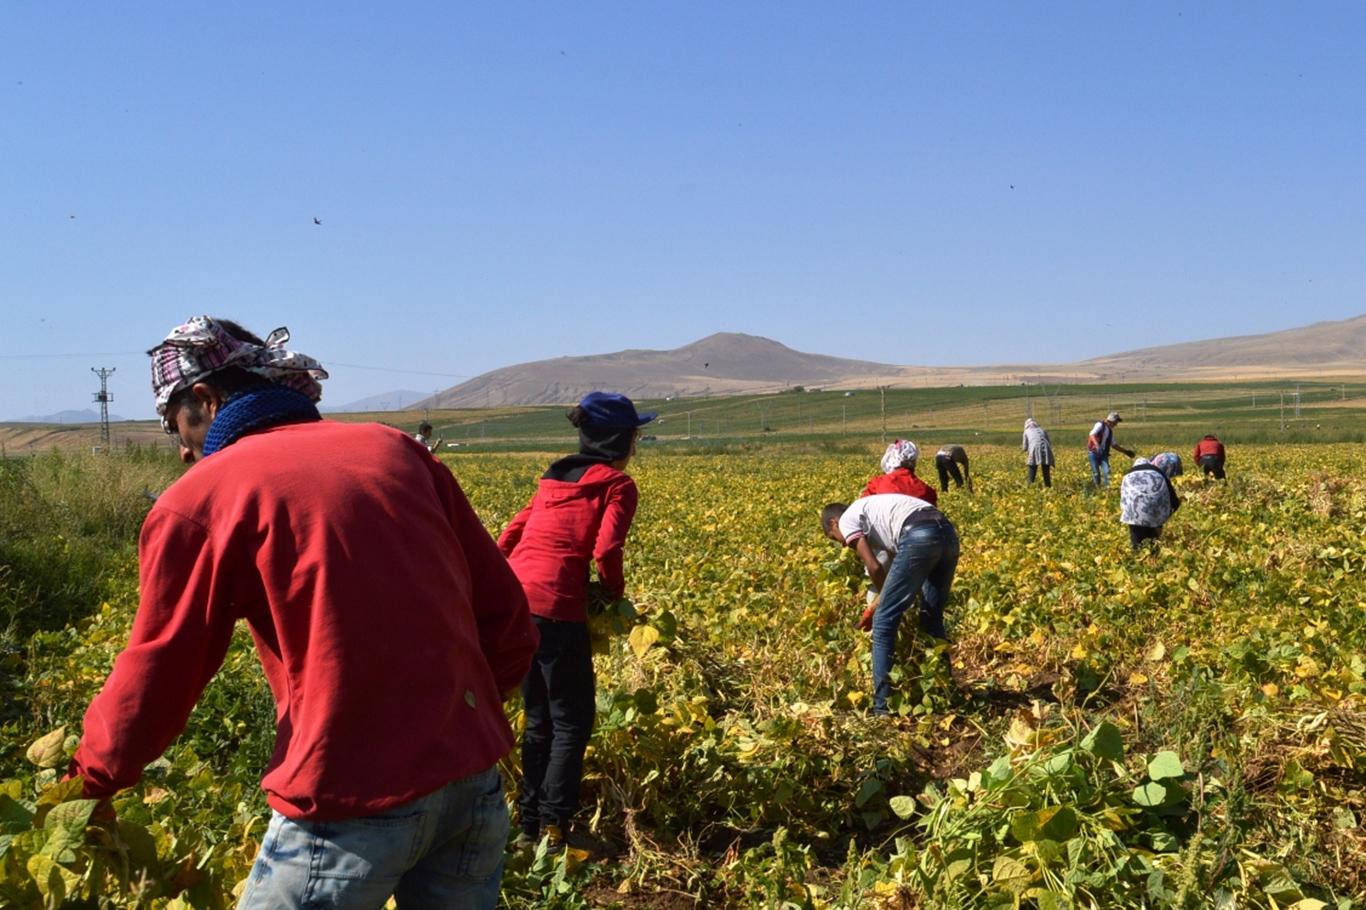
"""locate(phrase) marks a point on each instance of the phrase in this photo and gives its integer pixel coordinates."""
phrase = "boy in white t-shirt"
(924, 547)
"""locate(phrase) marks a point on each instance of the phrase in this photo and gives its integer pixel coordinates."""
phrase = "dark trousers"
(559, 697)
(1140, 533)
(1047, 473)
(1212, 464)
(947, 468)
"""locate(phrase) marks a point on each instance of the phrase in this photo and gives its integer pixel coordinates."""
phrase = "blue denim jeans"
(444, 849)
(926, 558)
(1100, 468)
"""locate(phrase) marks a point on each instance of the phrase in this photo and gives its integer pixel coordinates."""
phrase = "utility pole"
(103, 396)
(690, 424)
(882, 397)
(1282, 412)
(844, 420)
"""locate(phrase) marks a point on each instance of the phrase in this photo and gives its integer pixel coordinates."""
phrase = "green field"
(1181, 728)
(1163, 414)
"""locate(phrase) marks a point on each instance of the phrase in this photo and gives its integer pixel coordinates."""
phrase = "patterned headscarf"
(903, 452)
(201, 346)
(1030, 422)
(1168, 463)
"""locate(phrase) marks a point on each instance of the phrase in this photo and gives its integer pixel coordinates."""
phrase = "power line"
(357, 366)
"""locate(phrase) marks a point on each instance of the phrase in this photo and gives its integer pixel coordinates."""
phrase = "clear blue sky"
(904, 182)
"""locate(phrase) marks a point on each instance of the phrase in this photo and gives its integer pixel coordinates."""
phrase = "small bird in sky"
(1012, 186)
(317, 220)
(707, 364)
(71, 217)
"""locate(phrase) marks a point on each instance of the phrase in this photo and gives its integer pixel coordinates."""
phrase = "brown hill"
(730, 364)
(723, 364)
(1324, 347)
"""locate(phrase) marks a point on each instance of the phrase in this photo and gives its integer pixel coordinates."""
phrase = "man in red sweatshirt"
(387, 622)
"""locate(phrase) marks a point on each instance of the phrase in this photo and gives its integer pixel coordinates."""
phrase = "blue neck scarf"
(258, 409)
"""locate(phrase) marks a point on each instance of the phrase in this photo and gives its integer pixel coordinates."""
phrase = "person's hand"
(866, 620)
(104, 814)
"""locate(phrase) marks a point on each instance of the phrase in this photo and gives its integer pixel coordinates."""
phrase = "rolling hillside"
(736, 364)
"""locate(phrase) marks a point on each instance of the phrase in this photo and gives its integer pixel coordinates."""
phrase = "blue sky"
(909, 183)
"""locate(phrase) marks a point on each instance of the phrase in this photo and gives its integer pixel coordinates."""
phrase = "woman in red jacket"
(580, 513)
(898, 466)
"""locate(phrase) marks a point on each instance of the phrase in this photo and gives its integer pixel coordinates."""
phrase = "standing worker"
(898, 474)
(924, 552)
(947, 461)
(1147, 498)
(387, 623)
(1098, 446)
(580, 513)
(424, 436)
(1038, 450)
(1209, 455)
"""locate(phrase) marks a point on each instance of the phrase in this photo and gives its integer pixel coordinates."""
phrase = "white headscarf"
(902, 453)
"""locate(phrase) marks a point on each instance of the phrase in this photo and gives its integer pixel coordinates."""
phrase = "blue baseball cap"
(613, 411)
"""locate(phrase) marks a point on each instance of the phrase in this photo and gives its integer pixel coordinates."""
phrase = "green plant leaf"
(1105, 741)
(1152, 794)
(1166, 765)
(14, 815)
(903, 806)
(1011, 874)
(46, 751)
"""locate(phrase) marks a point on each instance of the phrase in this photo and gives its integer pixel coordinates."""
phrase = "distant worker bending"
(1209, 456)
(1098, 446)
(947, 460)
(898, 474)
(1038, 450)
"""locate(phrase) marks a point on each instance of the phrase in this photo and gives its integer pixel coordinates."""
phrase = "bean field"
(1181, 727)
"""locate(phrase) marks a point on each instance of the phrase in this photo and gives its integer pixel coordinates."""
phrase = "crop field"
(1319, 410)
(1182, 727)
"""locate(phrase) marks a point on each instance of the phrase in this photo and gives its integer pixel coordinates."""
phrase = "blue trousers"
(444, 849)
(1100, 468)
(925, 561)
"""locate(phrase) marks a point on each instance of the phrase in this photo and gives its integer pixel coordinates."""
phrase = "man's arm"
(876, 570)
(180, 635)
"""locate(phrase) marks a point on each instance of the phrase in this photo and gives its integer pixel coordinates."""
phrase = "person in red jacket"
(580, 513)
(386, 621)
(1209, 455)
(898, 474)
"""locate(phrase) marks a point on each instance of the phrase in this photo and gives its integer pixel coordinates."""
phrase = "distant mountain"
(396, 400)
(723, 364)
(1324, 347)
(732, 364)
(85, 416)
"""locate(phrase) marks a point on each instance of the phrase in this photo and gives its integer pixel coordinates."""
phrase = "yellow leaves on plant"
(642, 638)
(1156, 652)
(46, 751)
(1271, 690)
(1023, 732)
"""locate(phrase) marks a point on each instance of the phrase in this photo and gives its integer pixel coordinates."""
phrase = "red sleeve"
(869, 489)
(618, 512)
(512, 534)
(180, 635)
(925, 492)
(507, 636)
